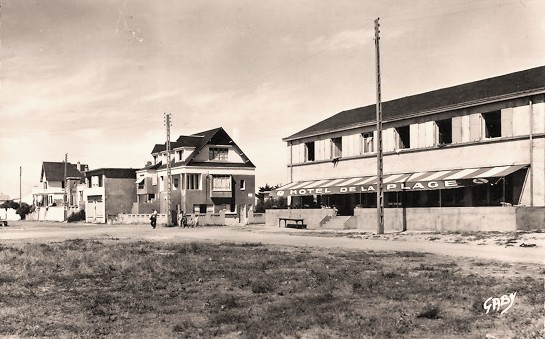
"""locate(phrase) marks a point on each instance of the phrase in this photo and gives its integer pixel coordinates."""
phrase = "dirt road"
(46, 232)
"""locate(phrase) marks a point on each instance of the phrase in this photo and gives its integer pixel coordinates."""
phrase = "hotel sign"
(388, 187)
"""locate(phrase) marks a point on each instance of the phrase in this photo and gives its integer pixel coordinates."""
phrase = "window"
(242, 184)
(45, 185)
(492, 124)
(161, 184)
(221, 183)
(141, 184)
(367, 142)
(96, 181)
(176, 183)
(179, 155)
(154, 159)
(193, 181)
(309, 151)
(151, 197)
(217, 154)
(445, 131)
(404, 137)
(336, 147)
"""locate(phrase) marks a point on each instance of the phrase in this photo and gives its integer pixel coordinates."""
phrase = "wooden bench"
(297, 226)
(299, 223)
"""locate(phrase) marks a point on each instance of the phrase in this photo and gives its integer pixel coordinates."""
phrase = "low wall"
(210, 219)
(139, 219)
(440, 219)
(52, 213)
(530, 218)
(312, 217)
(9, 214)
(256, 218)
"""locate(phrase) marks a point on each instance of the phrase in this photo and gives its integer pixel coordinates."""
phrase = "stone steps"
(335, 223)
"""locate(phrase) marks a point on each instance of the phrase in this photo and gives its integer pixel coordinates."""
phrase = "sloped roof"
(120, 173)
(182, 141)
(54, 171)
(473, 93)
(199, 140)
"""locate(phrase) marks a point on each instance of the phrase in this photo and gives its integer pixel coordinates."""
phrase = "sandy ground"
(512, 247)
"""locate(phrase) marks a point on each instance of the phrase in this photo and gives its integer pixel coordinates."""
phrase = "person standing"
(182, 219)
(153, 219)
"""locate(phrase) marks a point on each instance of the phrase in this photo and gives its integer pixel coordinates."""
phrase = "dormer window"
(217, 154)
(154, 159)
(179, 155)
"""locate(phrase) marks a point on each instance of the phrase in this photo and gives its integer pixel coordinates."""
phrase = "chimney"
(79, 166)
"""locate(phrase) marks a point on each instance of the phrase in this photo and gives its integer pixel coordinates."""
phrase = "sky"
(93, 78)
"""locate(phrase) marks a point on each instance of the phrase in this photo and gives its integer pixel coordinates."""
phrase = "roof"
(507, 86)
(215, 136)
(54, 171)
(192, 141)
(119, 173)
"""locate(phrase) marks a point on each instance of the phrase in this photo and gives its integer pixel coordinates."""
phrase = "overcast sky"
(93, 78)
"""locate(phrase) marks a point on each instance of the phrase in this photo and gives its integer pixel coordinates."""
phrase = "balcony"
(221, 194)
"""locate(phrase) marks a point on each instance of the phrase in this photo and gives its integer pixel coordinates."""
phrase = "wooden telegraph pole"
(380, 179)
(169, 173)
(65, 184)
(20, 175)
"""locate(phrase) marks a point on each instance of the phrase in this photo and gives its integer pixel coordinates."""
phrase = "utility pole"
(380, 179)
(65, 170)
(169, 174)
(20, 175)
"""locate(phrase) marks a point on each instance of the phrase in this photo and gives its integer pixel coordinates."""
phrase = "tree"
(23, 210)
(270, 203)
(10, 204)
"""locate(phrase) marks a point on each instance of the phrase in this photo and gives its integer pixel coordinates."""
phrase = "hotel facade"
(468, 157)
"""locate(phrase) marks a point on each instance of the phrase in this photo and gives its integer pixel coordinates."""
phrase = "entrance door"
(344, 203)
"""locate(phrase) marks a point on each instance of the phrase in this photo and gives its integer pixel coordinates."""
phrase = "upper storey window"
(309, 151)
(218, 154)
(96, 181)
(367, 142)
(336, 147)
(404, 134)
(445, 131)
(492, 124)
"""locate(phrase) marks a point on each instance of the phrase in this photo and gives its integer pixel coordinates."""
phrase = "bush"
(23, 210)
(80, 216)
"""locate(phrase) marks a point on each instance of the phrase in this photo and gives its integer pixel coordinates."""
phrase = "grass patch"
(85, 288)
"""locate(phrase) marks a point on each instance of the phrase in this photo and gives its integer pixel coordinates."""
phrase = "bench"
(297, 226)
(299, 223)
(3, 223)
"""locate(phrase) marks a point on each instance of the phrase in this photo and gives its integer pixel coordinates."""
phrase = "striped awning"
(430, 180)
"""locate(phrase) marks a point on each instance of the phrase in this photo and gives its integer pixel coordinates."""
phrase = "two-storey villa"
(59, 192)
(209, 173)
(468, 157)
